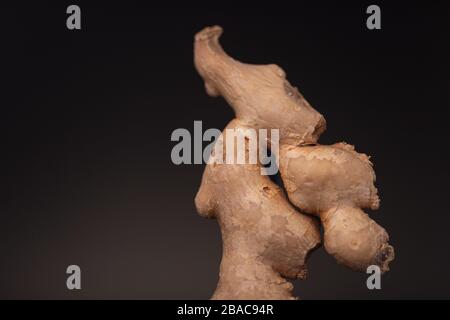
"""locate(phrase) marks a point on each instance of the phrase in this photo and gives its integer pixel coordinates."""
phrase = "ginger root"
(260, 95)
(264, 238)
(333, 182)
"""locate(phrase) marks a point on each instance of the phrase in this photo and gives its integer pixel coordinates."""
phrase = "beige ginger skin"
(332, 182)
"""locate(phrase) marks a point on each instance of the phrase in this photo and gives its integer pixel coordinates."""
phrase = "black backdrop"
(87, 117)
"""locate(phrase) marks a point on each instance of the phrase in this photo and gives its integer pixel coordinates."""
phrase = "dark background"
(86, 119)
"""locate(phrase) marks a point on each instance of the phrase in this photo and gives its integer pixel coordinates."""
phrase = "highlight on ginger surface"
(332, 182)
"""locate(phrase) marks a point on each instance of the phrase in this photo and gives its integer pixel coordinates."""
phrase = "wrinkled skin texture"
(332, 182)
